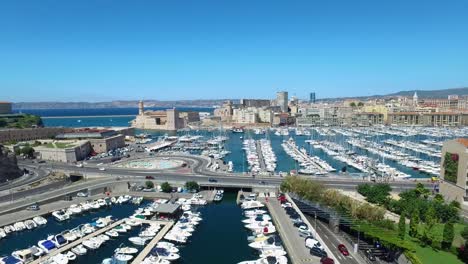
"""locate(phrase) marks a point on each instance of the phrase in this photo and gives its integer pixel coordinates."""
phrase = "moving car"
(326, 260)
(82, 194)
(212, 180)
(342, 248)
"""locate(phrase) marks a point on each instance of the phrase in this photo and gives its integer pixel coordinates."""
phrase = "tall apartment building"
(312, 98)
(282, 101)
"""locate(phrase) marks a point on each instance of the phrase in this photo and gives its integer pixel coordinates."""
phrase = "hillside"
(116, 104)
(422, 94)
(8, 166)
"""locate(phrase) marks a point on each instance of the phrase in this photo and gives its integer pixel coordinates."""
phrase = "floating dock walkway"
(154, 241)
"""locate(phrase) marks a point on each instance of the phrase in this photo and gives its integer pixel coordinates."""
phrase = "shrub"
(192, 186)
(166, 187)
(149, 185)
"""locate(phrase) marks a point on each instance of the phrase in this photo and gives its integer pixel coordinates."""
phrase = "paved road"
(332, 241)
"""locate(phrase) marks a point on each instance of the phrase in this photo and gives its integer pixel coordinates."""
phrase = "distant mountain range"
(213, 102)
(422, 94)
(116, 104)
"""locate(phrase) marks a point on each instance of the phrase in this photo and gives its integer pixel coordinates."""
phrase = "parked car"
(82, 194)
(318, 252)
(102, 169)
(342, 248)
(370, 255)
(212, 180)
(311, 242)
(326, 260)
(149, 177)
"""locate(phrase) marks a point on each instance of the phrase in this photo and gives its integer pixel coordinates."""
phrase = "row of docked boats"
(22, 225)
(264, 238)
(83, 207)
(310, 165)
(260, 155)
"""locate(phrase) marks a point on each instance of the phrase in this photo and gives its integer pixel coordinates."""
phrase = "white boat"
(60, 215)
(164, 254)
(75, 209)
(112, 233)
(92, 243)
(147, 234)
(70, 256)
(36, 251)
(272, 253)
(255, 212)
(103, 237)
(251, 205)
(270, 243)
(257, 218)
(2, 233)
(126, 250)
(172, 236)
(120, 229)
(140, 241)
(30, 224)
(9, 228)
(39, 220)
(24, 255)
(60, 259)
(69, 236)
(123, 257)
(79, 250)
(267, 260)
(168, 246)
(132, 222)
(19, 226)
(155, 260)
(58, 240)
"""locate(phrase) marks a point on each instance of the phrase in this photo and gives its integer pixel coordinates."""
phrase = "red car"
(326, 260)
(342, 248)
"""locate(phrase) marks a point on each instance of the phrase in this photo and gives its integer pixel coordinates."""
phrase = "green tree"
(360, 104)
(414, 223)
(422, 191)
(28, 151)
(464, 233)
(149, 185)
(430, 217)
(166, 187)
(352, 104)
(192, 186)
(439, 198)
(402, 226)
(448, 235)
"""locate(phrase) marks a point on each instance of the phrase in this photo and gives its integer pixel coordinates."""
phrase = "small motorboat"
(272, 253)
(69, 236)
(112, 233)
(79, 250)
(9, 228)
(123, 257)
(10, 260)
(30, 224)
(155, 260)
(36, 251)
(46, 245)
(39, 220)
(168, 246)
(70, 256)
(58, 240)
(2, 233)
(267, 260)
(19, 226)
(60, 259)
(164, 254)
(126, 250)
(147, 234)
(92, 243)
(24, 255)
(103, 237)
(140, 241)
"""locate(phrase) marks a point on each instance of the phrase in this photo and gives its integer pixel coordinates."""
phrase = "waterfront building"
(225, 112)
(169, 119)
(25, 134)
(282, 101)
(255, 103)
(368, 119)
(64, 151)
(454, 170)
(247, 115)
(5, 108)
(428, 118)
(101, 140)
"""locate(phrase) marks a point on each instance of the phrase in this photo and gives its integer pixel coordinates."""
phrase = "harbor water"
(220, 231)
(234, 144)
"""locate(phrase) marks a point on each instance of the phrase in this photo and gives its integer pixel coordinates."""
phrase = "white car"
(312, 243)
(102, 169)
(79, 165)
(82, 194)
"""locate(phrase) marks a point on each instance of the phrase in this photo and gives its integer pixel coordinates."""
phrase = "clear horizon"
(97, 51)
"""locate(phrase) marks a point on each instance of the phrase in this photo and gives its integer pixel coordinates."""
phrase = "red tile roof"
(463, 141)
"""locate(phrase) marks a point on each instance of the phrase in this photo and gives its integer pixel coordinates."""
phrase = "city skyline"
(98, 51)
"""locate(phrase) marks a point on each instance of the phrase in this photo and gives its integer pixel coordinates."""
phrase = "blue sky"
(107, 50)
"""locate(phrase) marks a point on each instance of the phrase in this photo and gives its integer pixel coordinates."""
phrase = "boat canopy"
(10, 260)
(48, 244)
